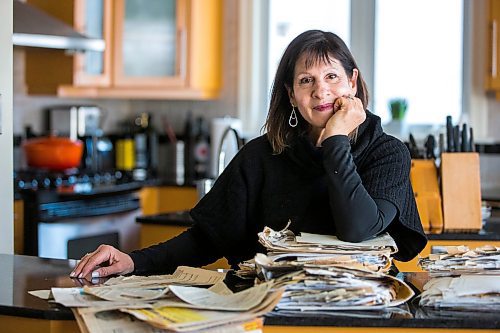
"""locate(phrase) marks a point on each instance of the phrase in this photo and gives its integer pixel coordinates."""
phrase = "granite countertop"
(21, 274)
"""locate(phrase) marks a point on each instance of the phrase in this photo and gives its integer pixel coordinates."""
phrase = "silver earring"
(293, 121)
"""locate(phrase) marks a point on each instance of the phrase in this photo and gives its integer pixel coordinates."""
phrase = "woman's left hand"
(348, 114)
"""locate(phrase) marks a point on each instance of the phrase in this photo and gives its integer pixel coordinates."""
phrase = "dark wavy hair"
(318, 46)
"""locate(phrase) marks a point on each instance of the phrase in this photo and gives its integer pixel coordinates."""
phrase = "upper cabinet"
(493, 70)
(155, 49)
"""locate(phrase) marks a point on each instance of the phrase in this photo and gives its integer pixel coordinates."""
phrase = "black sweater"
(351, 190)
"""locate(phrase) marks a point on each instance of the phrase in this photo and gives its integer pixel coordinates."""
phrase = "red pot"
(54, 153)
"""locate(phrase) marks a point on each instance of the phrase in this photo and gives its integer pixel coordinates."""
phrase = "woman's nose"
(321, 89)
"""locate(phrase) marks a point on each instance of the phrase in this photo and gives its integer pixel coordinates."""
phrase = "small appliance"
(74, 120)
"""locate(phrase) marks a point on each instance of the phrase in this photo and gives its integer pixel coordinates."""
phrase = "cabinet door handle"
(494, 48)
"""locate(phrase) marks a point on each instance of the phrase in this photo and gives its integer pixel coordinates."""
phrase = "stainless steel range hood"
(35, 28)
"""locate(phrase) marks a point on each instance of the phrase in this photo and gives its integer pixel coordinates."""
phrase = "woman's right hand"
(108, 261)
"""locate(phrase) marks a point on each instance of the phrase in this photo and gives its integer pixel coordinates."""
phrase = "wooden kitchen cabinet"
(152, 234)
(95, 19)
(493, 63)
(167, 199)
(156, 49)
(18, 226)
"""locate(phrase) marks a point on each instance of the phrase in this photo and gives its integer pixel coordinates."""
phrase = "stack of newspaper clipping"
(463, 279)
(322, 273)
(176, 302)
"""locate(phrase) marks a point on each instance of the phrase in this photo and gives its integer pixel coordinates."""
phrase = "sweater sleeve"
(191, 248)
(358, 215)
(384, 169)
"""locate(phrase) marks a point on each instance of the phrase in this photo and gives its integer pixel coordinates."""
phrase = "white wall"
(6, 181)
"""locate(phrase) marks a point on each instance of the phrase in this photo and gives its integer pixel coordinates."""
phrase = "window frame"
(253, 25)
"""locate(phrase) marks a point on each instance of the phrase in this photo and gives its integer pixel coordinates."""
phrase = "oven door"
(72, 238)
(68, 226)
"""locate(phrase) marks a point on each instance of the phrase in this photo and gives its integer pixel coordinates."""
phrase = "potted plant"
(398, 108)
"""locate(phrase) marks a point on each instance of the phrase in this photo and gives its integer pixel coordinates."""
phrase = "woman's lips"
(323, 107)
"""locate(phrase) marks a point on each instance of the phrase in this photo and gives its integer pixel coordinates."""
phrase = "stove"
(69, 213)
(68, 181)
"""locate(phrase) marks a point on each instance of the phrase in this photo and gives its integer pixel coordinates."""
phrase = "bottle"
(189, 136)
(201, 149)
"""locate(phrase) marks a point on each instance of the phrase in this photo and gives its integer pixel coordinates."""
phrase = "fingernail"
(95, 274)
(72, 274)
(80, 276)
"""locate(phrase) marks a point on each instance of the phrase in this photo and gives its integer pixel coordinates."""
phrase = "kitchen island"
(22, 312)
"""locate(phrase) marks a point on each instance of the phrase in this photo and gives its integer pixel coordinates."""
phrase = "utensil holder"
(424, 180)
(461, 192)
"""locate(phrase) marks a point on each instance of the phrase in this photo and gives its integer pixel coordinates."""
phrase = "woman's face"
(315, 89)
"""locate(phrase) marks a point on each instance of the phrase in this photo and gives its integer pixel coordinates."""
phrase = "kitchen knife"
(465, 140)
(472, 147)
(414, 152)
(456, 138)
(441, 143)
(449, 135)
(430, 144)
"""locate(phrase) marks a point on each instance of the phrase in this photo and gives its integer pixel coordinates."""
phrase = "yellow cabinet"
(18, 226)
(167, 199)
(493, 63)
(155, 49)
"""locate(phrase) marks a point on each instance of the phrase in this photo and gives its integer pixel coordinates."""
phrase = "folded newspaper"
(323, 273)
(463, 278)
(465, 292)
(457, 260)
(171, 302)
(286, 249)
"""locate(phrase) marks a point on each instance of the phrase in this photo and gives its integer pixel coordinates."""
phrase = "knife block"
(461, 192)
(424, 180)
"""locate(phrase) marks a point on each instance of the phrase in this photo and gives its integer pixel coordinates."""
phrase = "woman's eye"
(332, 76)
(305, 80)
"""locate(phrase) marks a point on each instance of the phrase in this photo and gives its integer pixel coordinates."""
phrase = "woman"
(324, 164)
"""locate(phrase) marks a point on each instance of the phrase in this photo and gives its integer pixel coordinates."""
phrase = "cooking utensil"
(465, 139)
(471, 140)
(441, 143)
(413, 147)
(430, 144)
(449, 135)
(54, 153)
(456, 138)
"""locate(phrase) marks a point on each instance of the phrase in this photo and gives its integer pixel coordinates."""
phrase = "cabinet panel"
(18, 227)
(150, 43)
(94, 18)
(493, 70)
(167, 199)
(154, 234)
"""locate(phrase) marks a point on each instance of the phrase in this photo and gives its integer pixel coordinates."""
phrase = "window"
(418, 56)
(417, 51)
(288, 18)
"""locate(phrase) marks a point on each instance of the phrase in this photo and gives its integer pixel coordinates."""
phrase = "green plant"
(398, 108)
